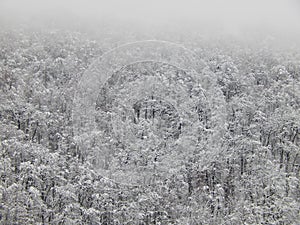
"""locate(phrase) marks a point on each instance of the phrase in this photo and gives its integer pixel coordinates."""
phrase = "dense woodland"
(48, 177)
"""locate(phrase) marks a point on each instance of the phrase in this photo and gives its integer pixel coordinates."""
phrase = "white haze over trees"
(228, 16)
(195, 121)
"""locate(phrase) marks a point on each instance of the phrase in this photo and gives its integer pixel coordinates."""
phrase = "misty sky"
(231, 15)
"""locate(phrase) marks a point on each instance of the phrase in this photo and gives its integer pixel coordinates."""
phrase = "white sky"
(231, 15)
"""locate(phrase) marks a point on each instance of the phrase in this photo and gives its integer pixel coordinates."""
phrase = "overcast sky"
(231, 15)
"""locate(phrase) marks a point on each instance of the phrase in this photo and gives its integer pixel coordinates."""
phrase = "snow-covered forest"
(210, 139)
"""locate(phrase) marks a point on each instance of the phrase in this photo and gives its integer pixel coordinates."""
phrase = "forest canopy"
(93, 132)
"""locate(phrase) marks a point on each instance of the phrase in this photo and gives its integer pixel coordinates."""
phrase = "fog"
(234, 17)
